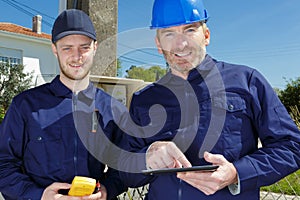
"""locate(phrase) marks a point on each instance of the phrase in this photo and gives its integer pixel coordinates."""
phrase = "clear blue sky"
(263, 34)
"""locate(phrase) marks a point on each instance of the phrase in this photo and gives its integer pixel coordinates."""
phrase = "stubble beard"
(184, 69)
(73, 77)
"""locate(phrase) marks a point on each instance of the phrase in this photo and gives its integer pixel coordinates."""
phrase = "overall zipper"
(75, 98)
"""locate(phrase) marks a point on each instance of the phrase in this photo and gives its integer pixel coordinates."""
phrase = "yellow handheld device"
(82, 186)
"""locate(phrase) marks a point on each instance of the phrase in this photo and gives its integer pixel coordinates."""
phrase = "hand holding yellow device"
(82, 186)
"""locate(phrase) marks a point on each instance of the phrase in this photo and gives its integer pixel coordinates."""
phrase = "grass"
(289, 185)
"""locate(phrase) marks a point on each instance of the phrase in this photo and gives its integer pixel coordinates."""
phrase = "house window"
(3, 59)
(11, 61)
(11, 56)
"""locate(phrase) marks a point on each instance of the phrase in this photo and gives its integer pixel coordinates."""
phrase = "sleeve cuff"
(235, 188)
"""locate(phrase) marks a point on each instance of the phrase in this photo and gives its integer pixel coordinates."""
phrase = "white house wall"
(37, 55)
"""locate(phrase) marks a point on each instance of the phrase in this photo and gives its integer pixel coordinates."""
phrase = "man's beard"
(189, 65)
(70, 76)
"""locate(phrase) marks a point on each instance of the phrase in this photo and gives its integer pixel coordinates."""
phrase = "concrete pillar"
(104, 14)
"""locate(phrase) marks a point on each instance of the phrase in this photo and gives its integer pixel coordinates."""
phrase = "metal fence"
(286, 193)
(288, 189)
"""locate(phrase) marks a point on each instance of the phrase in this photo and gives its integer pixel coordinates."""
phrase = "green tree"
(150, 75)
(12, 81)
(290, 96)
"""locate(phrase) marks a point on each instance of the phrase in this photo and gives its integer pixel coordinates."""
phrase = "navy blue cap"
(71, 22)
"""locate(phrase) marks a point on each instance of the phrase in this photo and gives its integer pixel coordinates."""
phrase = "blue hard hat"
(166, 13)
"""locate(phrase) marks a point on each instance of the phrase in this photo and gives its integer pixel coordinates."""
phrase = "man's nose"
(181, 41)
(77, 55)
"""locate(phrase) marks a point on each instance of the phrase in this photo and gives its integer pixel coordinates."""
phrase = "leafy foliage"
(295, 114)
(290, 96)
(12, 81)
(150, 75)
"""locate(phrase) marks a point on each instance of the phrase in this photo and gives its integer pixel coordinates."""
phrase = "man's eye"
(66, 49)
(190, 30)
(85, 47)
(169, 34)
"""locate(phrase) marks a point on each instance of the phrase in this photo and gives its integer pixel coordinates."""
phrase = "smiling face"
(184, 47)
(75, 55)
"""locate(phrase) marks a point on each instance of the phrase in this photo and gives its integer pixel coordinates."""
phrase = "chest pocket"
(231, 105)
(43, 153)
(230, 142)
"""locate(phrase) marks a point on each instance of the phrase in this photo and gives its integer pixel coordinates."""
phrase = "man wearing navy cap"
(49, 135)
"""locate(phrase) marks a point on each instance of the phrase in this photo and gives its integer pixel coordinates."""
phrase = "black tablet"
(185, 169)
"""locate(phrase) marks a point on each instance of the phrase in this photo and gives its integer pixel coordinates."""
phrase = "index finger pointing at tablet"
(162, 154)
(179, 157)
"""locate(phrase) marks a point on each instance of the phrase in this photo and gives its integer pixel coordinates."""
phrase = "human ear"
(95, 47)
(158, 45)
(54, 50)
(207, 36)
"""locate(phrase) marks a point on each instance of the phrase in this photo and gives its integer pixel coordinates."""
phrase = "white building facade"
(20, 45)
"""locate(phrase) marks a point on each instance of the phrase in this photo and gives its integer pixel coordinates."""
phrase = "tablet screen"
(185, 169)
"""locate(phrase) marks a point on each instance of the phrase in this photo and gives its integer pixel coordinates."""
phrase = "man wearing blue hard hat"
(216, 112)
(52, 133)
